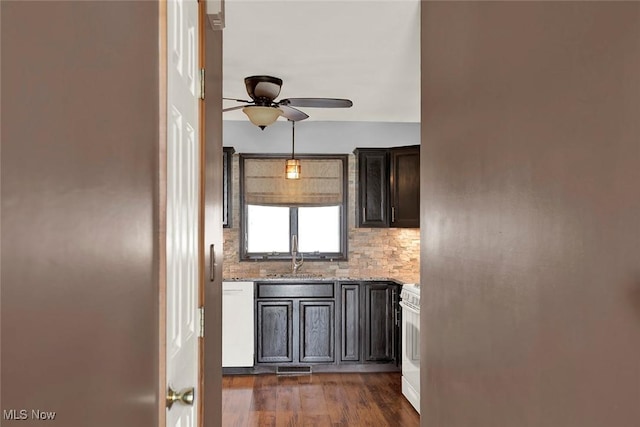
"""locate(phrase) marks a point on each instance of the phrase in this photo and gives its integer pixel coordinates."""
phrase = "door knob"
(183, 396)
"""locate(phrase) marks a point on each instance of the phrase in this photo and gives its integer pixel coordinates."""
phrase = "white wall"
(318, 137)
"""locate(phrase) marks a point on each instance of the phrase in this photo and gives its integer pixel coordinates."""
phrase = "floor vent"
(293, 370)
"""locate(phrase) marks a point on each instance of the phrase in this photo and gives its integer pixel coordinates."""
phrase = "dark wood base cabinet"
(380, 328)
(317, 331)
(275, 331)
(347, 325)
(294, 324)
(370, 322)
(350, 330)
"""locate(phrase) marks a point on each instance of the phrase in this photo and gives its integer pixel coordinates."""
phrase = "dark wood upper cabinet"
(389, 187)
(227, 161)
(405, 186)
(373, 187)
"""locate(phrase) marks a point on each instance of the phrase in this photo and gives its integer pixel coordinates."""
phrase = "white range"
(410, 303)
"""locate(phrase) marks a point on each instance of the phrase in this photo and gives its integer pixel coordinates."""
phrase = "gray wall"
(318, 137)
(530, 214)
(79, 288)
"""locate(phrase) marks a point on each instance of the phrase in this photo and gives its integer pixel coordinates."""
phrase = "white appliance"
(237, 324)
(410, 303)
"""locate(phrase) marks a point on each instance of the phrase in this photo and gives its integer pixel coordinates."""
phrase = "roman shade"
(320, 184)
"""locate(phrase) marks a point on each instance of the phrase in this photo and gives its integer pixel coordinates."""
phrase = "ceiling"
(364, 50)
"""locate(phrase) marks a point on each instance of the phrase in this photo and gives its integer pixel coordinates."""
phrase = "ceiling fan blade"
(233, 108)
(317, 102)
(237, 100)
(293, 114)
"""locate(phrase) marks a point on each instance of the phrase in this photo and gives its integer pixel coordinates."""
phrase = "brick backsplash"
(373, 252)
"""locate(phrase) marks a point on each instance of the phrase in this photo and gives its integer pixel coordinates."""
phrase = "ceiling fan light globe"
(262, 116)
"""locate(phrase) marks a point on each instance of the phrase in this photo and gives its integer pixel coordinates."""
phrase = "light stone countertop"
(310, 278)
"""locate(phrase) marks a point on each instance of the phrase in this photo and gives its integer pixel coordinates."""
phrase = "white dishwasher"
(237, 324)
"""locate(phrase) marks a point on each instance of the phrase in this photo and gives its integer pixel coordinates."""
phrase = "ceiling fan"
(263, 109)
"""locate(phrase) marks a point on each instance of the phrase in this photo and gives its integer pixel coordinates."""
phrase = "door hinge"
(202, 83)
(201, 315)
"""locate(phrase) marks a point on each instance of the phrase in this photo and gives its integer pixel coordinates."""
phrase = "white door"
(183, 193)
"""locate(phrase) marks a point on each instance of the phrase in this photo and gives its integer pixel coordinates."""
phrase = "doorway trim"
(162, 212)
(161, 219)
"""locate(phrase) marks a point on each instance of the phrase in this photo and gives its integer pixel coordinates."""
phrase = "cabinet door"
(405, 187)
(350, 323)
(227, 178)
(274, 331)
(317, 331)
(373, 188)
(379, 322)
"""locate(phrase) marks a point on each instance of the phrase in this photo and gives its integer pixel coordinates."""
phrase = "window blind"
(320, 184)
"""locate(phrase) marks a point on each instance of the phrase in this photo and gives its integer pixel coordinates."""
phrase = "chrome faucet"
(295, 265)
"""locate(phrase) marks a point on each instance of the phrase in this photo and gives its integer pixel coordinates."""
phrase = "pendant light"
(292, 166)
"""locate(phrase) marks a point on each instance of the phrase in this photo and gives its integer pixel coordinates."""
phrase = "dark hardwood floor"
(371, 399)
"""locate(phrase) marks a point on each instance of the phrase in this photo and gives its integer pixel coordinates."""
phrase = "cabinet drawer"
(295, 290)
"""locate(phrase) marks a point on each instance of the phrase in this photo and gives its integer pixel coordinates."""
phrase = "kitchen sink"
(293, 276)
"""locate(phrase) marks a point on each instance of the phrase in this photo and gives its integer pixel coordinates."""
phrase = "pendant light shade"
(292, 166)
(262, 116)
(292, 169)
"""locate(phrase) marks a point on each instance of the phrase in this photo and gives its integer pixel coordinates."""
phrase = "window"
(268, 228)
(319, 229)
(275, 209)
